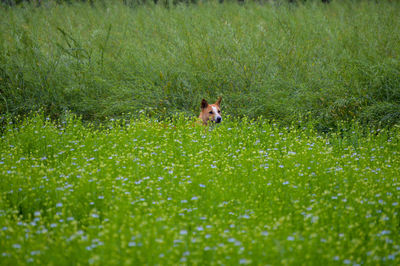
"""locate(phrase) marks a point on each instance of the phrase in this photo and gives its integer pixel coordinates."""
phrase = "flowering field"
(147, 192)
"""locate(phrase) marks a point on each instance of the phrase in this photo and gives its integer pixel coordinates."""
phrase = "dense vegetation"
(146, 186)
(143, 192)
(330, 62)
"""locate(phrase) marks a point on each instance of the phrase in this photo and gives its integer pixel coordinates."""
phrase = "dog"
(210, 112)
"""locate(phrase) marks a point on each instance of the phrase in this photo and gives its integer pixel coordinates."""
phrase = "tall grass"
(330, 62)
(144, 192)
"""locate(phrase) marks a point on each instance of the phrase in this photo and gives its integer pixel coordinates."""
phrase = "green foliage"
(336, 62)
(172, 192)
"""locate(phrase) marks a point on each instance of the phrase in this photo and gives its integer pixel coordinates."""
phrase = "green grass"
(155, 188)
(147, 192)
(334, 62)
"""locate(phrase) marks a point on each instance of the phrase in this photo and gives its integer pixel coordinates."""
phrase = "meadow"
(337, 61)
(101, 161)
(142, 191)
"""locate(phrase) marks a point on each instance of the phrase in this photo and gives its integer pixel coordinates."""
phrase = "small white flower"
(244, 261)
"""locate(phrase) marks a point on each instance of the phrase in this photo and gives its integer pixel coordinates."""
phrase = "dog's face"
(211, 112)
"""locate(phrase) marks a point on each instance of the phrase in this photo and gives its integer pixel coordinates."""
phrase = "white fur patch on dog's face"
(217, 116)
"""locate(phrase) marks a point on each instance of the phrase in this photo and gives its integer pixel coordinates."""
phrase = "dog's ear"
(219, 101)
(204, 104)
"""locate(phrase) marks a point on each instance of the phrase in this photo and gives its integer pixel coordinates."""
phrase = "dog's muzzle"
(218, 119)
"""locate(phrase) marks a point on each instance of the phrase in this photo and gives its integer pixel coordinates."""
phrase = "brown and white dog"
(210, 112)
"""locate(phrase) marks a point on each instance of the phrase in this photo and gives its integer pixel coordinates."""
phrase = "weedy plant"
(338, 61)
(244, 192)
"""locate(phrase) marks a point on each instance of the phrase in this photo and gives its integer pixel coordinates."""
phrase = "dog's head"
(211, 112)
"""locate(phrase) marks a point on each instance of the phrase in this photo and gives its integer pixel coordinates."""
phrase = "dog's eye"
(219, 111)
(210, 112)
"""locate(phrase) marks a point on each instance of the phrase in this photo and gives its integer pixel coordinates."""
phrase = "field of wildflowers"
(245, 192)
